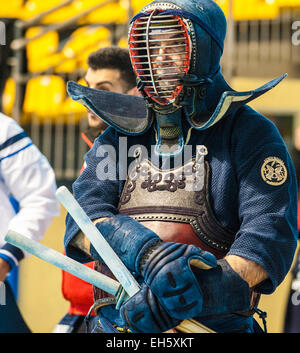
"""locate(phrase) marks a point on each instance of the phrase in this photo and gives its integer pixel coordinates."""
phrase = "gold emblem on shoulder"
(273, 171)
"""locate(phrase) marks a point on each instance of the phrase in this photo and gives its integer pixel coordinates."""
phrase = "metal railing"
(61, 143)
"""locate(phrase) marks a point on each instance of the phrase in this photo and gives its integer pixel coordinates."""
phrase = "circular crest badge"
(273, 171)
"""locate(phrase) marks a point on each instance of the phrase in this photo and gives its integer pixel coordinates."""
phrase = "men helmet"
(154, 41)
(175, 45)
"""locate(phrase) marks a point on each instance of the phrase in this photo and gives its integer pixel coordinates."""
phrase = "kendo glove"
(165, 266)
(211, 287)
(141, 313)
(170, 293)
(222, 292)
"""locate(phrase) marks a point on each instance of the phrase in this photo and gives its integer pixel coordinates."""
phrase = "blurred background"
(45, 43)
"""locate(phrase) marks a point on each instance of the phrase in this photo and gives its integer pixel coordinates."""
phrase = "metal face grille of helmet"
(160, 51)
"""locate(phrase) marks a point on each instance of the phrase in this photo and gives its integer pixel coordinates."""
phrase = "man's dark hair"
(114, 58)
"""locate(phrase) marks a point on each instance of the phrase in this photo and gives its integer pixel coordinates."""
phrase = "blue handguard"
(180, 281)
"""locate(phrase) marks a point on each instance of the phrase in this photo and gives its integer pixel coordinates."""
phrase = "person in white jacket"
(27, 178)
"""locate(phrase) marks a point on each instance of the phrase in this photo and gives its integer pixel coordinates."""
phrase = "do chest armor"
(174, 203)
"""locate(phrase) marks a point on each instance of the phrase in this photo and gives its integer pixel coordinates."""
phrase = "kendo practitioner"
(206, 237)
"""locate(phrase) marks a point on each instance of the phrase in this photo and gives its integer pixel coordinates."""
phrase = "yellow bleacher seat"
(74, 109)
(242, 9)
(44, 96)
(12, 8)
(70, 107)
(41, 51)
(254, 9)
(123, 42)
(251, 9)
(61, 14)
(35, 7)
(66, 65)
(114, 12)
(82, 41)
(85, 36)
(8, 96)
(288, 3)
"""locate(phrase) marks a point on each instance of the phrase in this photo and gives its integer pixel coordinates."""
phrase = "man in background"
(27, 205)
(109, 69)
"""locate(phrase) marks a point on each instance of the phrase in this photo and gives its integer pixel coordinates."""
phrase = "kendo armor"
(187, 87)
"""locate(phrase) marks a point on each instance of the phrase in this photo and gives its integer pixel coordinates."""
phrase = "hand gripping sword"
(127, 285)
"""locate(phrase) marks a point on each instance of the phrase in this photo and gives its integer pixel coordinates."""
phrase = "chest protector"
(174, 203)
